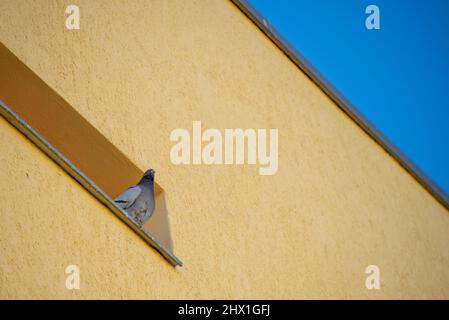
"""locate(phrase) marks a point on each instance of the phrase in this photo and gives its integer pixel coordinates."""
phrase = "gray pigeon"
(138, 201)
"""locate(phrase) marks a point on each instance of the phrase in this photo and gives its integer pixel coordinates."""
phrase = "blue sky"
(398, 76)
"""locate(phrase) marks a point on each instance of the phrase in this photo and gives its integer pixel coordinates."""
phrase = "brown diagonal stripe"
(64, 128)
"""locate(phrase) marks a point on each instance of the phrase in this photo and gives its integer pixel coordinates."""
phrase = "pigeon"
(138, 201)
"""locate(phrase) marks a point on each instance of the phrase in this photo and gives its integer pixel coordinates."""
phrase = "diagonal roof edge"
(344, 104)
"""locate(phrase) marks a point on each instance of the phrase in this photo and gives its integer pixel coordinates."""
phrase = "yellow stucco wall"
(139, 70)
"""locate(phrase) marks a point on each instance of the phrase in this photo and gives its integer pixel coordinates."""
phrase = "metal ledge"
(88, 184)
(344, 104)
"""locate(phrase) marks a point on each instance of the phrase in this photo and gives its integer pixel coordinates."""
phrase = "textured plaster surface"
(140, 69)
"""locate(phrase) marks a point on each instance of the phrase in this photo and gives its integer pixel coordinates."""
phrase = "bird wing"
(128, 197)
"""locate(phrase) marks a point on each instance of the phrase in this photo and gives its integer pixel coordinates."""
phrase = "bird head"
(149, 175)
